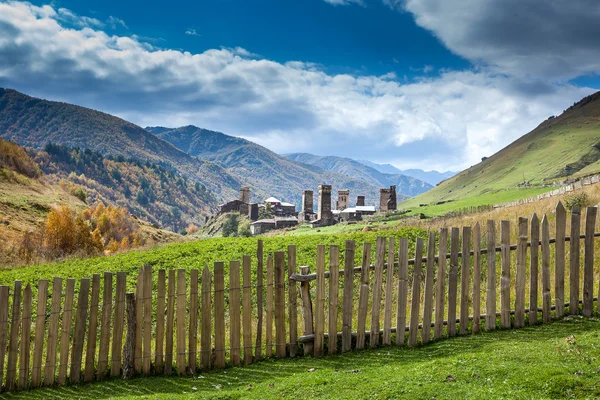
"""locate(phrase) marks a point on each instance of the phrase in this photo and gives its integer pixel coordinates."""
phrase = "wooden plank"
(363, 300)
(171, 295)
(490, 301)
(259, 300)
(559, 257)
(147, 346)
(546, 296)
(65, 338)
(13, 345)
(440, 290)
(453, 281)
(4, 294)
(118, 324)
(219, 315)
(465, 276)
(234, 313)
(25, 349)
(180, 321)
(105, 326)
(40, 325)
(521, 274)
(139, 323)
(389, 284)
(334, 287)
(574, 262)
(193, 328)
(269, 316)
(247, 309)
(534, 274)
(79, 332)
(476, 279)
(280, 334)
(90, 352)
(129, 347)
(206, 328)
(588, 263)
(380, 254)
(402, 291)
(320, 302)
(416, 294)
(307, 311)
(505, 274)
(292, 301)
(160, 321)
(348, 301)
(428, 294)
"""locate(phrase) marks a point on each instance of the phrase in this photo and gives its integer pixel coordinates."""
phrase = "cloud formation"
(446, 122)
(192, 32)
(344, 2)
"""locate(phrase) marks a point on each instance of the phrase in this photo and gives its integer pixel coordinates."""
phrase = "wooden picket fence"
(180, 323)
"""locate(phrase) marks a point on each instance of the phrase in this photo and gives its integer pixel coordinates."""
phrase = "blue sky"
(415, 83)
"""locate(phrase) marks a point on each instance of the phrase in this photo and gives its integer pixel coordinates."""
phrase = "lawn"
(557, 360)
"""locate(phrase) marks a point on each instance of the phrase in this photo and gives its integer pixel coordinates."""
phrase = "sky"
(430, 84)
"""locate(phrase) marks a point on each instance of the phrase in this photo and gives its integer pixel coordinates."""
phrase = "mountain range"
(432, 177)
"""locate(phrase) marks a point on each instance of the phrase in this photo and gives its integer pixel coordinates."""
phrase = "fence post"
(559, 252)
(259, 300)
(205, 337)
(292, 301)
(139, 322)
(428, 294)
(65, 338)
(546, 296)
(377, 289)
(40, 321)
(416, 295)
(170, 323)
(490, 301)
(4, 293)
(521, 271)
(505, 274)
(147, 293)
(588, 267)
(320, 302)
(476, 278)
(219, 315)
(90, 353)
(269, 314)
(234, 313)
(465, 276)
(307, 311)
(574, 261)
(160, 322)
(79, 333)
(440, 291)
(115, 369)
(104, 326)
(25, 349)
(247, 308)
(348, 296)
(534, 270)
(130, 339)
(50, 368)
(193, 328)
(334, 286)
(363, 301)
(453, 282)
(387, 317)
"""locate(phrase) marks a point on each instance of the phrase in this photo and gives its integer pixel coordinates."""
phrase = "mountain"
(560, 148)
(405, 185)
(267, 173)
(34, 123)
(432, 177)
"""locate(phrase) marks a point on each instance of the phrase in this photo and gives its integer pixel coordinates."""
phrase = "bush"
(230, 226)
(244, 230)
(577, 200)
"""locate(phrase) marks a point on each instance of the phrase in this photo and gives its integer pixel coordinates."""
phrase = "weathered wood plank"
(428, 293)
(147, 345)
(440, 290)
(476, 279)
(180, 320)
(320, 302)
(505, 274)
(259, 300)
(219, 315)
(363, 301)
(453, 281)
(172, 294)
(161, 290)
(65, 338)
(465, 276)
(234, 313)
(334, 286)
(13, 345)
(25, 349)
(307, 311)
(90, 352)
(269, 314)
(534, 273)
(521, 274)
(247, 308)
(4, 294)
(118, 323)
(490, 301)
(389, 285)
(546, 294)
(130, 339)
(40, 324)
(348, 302)
(193, 328)
(574, 261)
(588, 263)
(380, 254)
(79, 333)
(416, 295)
(559, 257)
(139, 323)
(206, 328)
(402, 291)
(280, 334)
(105, 326)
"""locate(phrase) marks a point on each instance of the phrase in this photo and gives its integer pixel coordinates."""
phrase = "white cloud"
(115, 22)
(447, 122)
(344, 2)
(192, 32)
(67, 16)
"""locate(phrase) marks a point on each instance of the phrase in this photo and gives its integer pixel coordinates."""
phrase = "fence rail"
(176, 322)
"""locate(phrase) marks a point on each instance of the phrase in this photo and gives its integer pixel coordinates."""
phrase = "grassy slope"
(558, 360)
(536, 157)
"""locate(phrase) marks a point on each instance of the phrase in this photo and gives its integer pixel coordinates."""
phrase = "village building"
(241, 205)
(387, 199)
(356, 213)
(266, 225)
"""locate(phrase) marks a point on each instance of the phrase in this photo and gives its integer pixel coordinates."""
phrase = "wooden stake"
(205, 337)
(440, 290)
(90, 353)
(402, 291)
(348, 296)
(65, 338)
(465, 276)
(24, 352)
(389, 284)
(13, 346)
(234, 313)
(259, 300)
(363, 301)
(476, 278)
(334, 286)
(320, 302)
(269, 319)
(170, 323)
(79, 335)
(588, 266)
(160, 321)
(4, 293)
(574, 262)
(219, 315)
(119, 321)
(105, 326)
(181, 314)
(521, 272)
(280, 334)
(416, 294)
(193, 328)
(40, 324)
(453, 281)
(247, 307)
(147, 292)
(377, 290)
(490, 301)
(428, 294)
(292, 301)
(534, 274)
(546, 296)
(505, 274)
(559, 253)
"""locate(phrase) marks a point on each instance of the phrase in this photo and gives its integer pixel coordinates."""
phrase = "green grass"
(558, 360)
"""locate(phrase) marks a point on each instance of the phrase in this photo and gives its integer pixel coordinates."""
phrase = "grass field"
(558, 360)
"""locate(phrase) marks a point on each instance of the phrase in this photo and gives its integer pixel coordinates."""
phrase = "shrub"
(577, 200)
(244, 229)
(230, 226)
(191, 229)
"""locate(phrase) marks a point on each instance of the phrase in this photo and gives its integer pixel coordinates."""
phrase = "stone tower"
(392, 203)
(324, 208)
(384, 196)
(307, 211)
(245, 194)
(360, 201)
(342, 202)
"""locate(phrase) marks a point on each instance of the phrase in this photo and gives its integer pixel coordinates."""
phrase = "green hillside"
(567, 146)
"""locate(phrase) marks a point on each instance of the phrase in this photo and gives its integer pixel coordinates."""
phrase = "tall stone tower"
(324, 208)
(245, 194)
(307, 212)
(392, 202)
(384, 196)
(342, 202)
(360, 201)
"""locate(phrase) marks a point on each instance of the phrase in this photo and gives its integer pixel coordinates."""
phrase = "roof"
(286, 219)
(272, 200)
(335, 212)
(359, 209)
(284, 204)
(263, 221)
